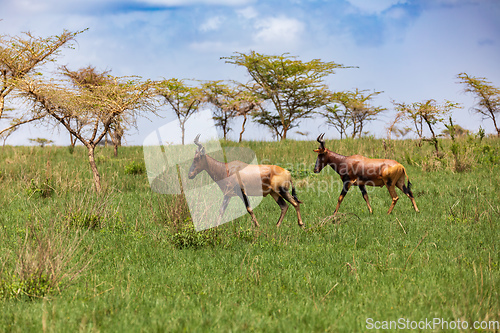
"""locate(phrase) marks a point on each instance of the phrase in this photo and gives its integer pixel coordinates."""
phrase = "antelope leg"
(288, 197)
(241, 193)
(284, 207)
(394, 195)
(223, 207)
(345, 189)
(362, 188)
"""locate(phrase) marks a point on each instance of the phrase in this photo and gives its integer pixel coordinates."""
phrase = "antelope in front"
(240, 179)
(360, 171)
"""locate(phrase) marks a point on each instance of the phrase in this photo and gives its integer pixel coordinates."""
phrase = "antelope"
(360, 171)
(237, 178)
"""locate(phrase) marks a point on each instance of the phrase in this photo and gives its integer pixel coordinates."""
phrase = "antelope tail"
(294, 195)
(408, 187)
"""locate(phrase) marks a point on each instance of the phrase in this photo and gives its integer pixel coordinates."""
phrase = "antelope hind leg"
(288, 197)
(241, 193)
(283, 205)
(409, 193)
(362, 188)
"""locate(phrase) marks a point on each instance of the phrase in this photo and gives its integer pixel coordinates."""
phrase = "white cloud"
(212, 24)
(374, 7)
(279, 30)
(247, 13)
(198, 2)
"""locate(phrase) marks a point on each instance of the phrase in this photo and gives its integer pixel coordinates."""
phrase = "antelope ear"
(319, 151)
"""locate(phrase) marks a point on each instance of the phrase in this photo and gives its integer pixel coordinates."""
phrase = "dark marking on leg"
(294, 195)
(406, 190)
(241, 193)
(295, 203)
(283, 205)
(345, 189)
(362, 188)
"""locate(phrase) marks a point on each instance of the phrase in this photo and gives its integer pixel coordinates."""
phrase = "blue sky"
(412, 50)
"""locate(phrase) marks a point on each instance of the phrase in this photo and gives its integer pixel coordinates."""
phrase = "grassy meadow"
(129, 259)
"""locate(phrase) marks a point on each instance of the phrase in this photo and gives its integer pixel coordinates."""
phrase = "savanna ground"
(129, 259)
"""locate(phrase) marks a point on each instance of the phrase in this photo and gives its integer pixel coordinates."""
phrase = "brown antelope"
(360, 171)
(240, 179)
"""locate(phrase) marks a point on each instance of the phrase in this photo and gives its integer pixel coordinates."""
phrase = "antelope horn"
(196, 142)
(321, 141)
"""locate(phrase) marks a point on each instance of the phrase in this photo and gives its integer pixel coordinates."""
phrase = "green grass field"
(129, 259)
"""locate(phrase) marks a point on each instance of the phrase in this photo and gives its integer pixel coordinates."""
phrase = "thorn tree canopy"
(221, 96)
(351, 109)
(428, 112)
(21, 55)
(229, 102)
(183, 99)
(89, 78)
(487, 97)
(294, 88)
(87, 114)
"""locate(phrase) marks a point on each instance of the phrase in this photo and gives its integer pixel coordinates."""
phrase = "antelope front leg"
(223, 207)
(345, 188)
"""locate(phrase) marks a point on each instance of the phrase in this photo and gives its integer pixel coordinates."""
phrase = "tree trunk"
(496, 127)
(283, 135)
(243, 126)
(182, 132)
(434, 138)
(2, 105)
(93, 166)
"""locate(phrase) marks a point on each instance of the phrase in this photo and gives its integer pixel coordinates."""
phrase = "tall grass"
(130, 260)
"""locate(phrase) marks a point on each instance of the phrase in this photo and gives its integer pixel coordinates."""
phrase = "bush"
(48, 260)
(83, 220)
(135, 168)
(187, 237)
(37, 189)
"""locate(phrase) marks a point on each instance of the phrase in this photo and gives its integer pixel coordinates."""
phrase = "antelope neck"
(334, 160)
(217, 170)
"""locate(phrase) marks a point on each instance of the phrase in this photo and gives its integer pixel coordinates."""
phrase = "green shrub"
(33, 287)
(187, 237)
(84, 220)
(37, 189)
(135, 168)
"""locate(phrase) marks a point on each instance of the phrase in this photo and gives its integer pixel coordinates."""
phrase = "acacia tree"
(229, 102)
(20, 56)
(221, 96)
(428, 113)
(246, 103)
(68, 102)
(487, 97)
(294, 88)
(183, 99)
(351, 109)
(89, 78)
